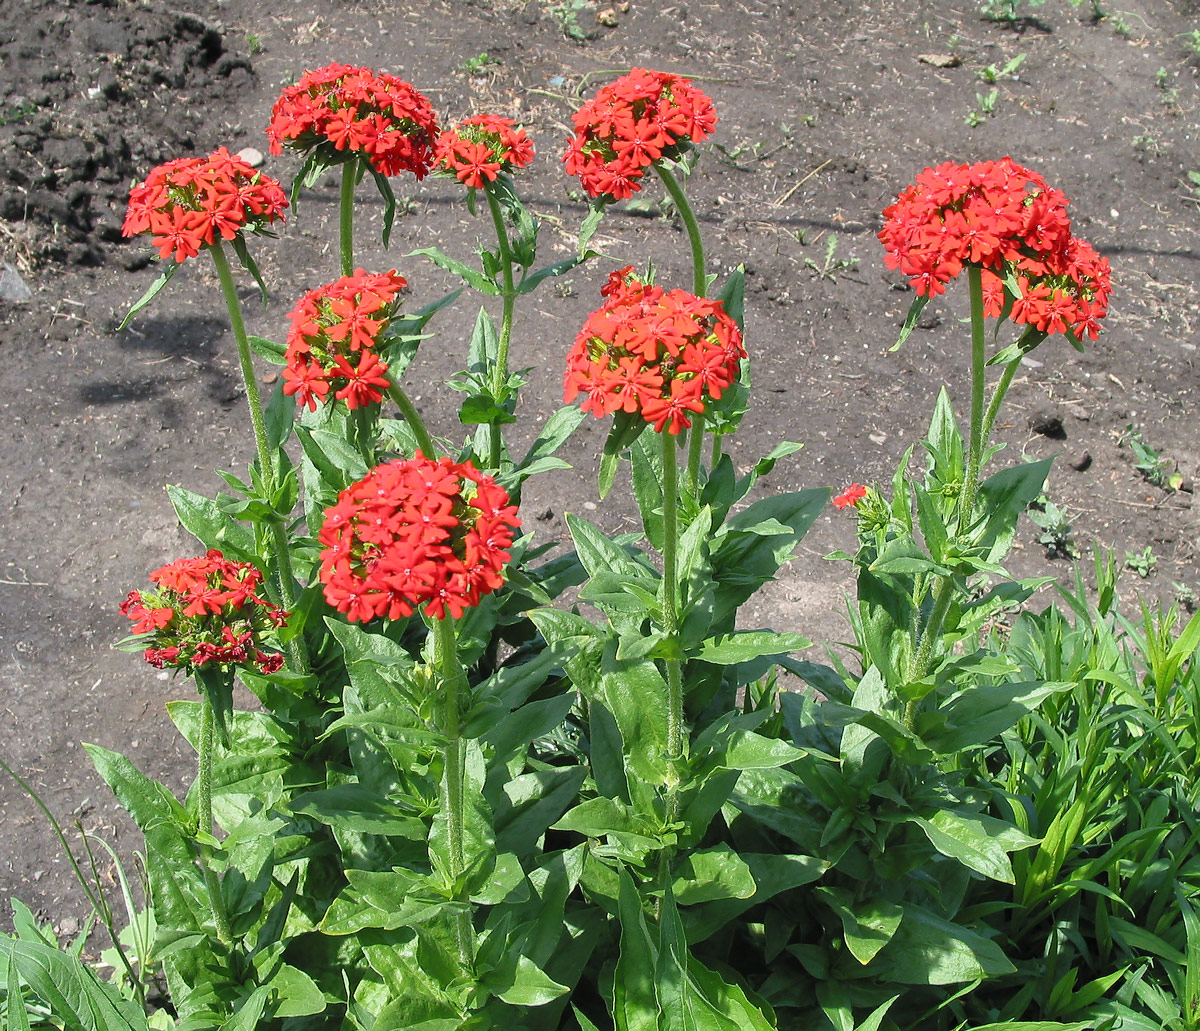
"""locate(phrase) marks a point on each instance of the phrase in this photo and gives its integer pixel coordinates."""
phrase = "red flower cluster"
(631, 123)
(850, 497)
(416, 532)
(653, 352)
(185, 203)
(481, 147)
(206, 612)
(1004, 219)
(334, 331)
(358, 111)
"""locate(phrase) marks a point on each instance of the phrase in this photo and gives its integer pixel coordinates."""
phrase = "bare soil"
(827, 110)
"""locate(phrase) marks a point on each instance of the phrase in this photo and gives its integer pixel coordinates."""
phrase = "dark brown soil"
(827, 110)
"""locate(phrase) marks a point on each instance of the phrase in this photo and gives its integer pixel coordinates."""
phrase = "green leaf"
(634, 998)
(744, 645)
(473, 278)
(481, 410)
(177, 889)
(205, 521)
(910, 320)
(866, 925)
(591, 223)
(971, 841)
(710, 874)
(238, 243)
(530, 282)
(598, 553)
(355, 807)
(979, 714)
(927, 949)
(163, 279)
(1003, 497)
(526, 985)
(269, 350)
(772, 875)
(384, 186)
(67, 986)
(626, 428)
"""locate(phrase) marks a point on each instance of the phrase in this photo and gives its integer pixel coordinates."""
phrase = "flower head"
(205, 613)
(631, 123)
(481, 147)
(357, 111)
(332, 342)
(661, 354)
(415, 532)
(1004, 219)
(850, 497)
(185, 204)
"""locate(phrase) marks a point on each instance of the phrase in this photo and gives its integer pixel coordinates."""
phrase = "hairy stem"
(676, 732)
(699, 278)
(446, 649)
(204, 817)
(346, 216)
(500, 369)
(266, 464)
(978, 442)
(412, 417)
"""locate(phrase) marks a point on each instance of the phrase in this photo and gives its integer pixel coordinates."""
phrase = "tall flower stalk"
(481, 152)
(1010, 231)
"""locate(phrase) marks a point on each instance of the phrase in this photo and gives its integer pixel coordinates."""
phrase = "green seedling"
(1055, 525)
(1193, 187)
(478, 64)
(1156, 470)
(986, 107)
(254, 43)
(566, 13)
(1141, 562)
(831, 264)
(1192, 41)
(994, 72)
(17, 113)
(1005, 11)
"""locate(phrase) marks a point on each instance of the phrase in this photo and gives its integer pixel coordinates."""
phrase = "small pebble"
(252, 156)
(607, 17)
(1080, 461)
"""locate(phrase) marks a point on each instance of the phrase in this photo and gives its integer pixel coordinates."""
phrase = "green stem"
(978, 385)
(989, 420)
(446, 650)
(204, 817)
(413, 418)
(500, 369)
(283, 556)
(346, 216)
(699, 279)
(676, 733)
(695, 454)
(943, 594)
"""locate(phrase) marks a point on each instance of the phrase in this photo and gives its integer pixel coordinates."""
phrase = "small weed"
(17, 113)
(994, 73)
(1119, 24)
(1154, 468)
(831, 264)
(1141, 562)
(1185, 596)
(566, 13)
(758, 151)
(564, 288)
(986, 107)
(1170, 94)
(1147, 143)
(254, 43)
(478, 64)
(1191, 40)
(1097, 14)
(1055, 526)
(1193, 187)
(1005, 11)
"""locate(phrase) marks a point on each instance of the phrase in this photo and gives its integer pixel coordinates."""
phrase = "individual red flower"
(332, 342)
(357, 111)
(661, 354)
(187, 203)
(851, 496)
(206, 612)
(481, 147)
(631, 123)
(416, 532)
(1004, 219)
